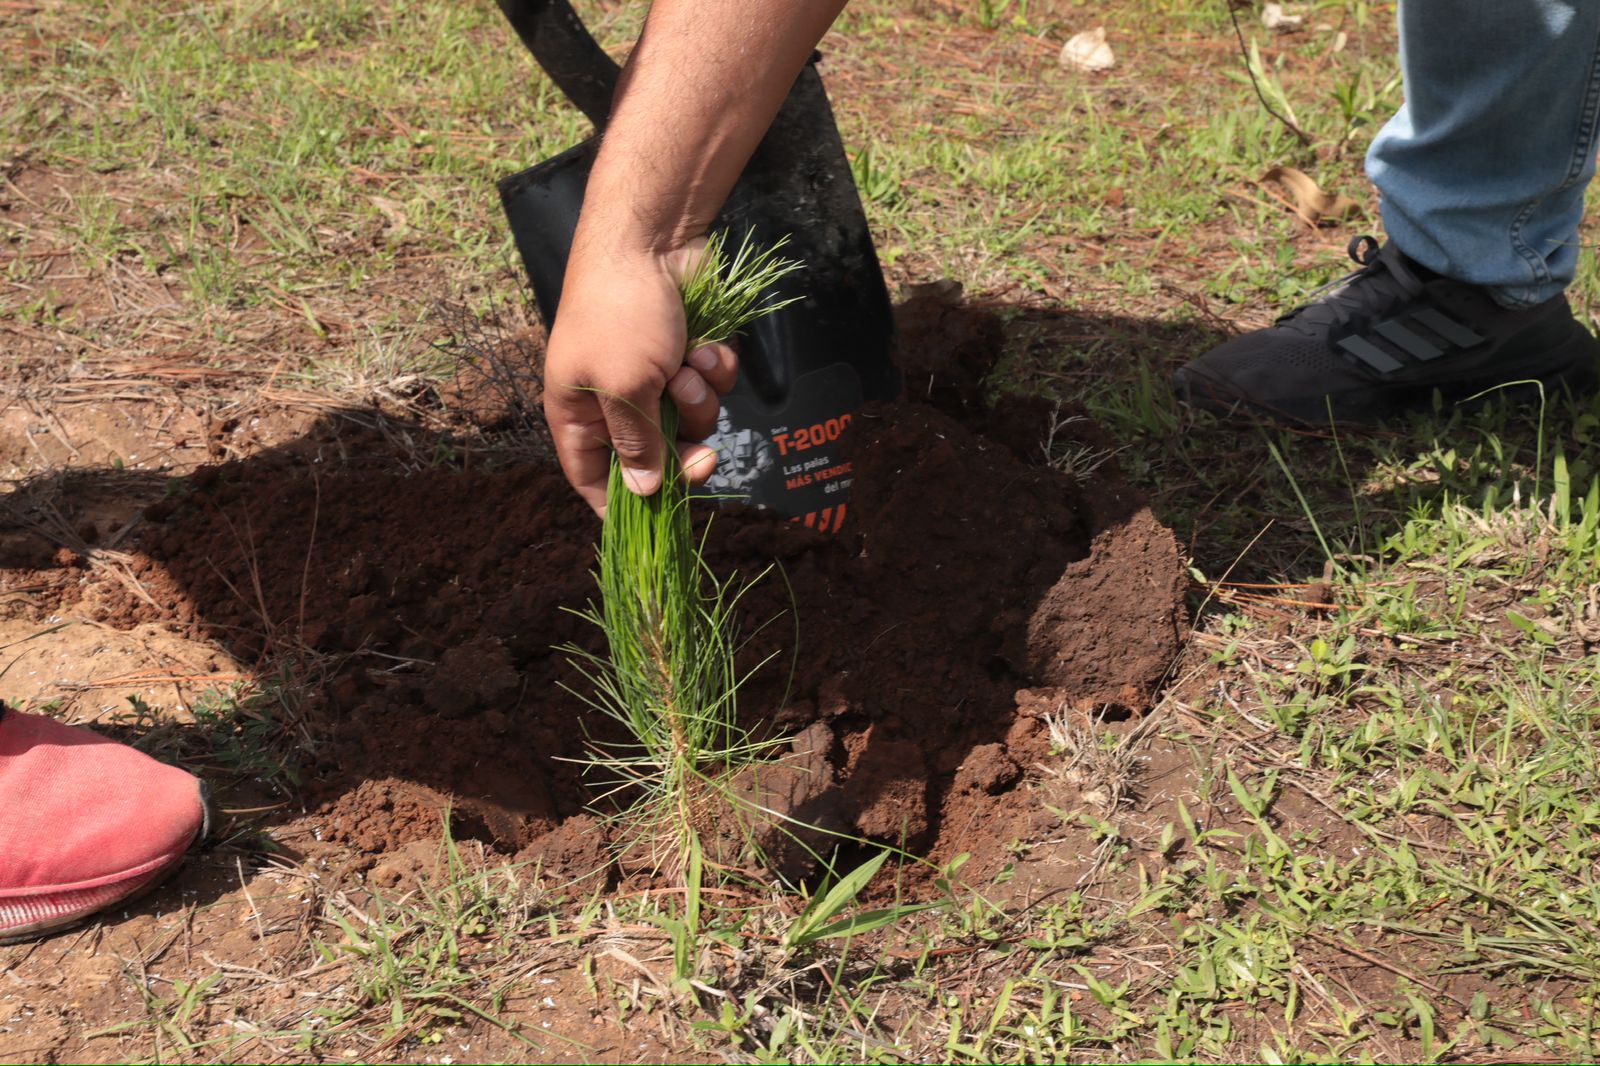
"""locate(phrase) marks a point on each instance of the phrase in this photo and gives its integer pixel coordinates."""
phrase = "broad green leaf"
(825, 907)
(1532, 628)
(867, 921)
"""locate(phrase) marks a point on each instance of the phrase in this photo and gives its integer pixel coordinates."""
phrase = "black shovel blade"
(542, 205)
(806, 369)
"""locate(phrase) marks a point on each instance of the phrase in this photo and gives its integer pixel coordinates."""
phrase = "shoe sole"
(140, 888)
(1572, 366)
(143, 887)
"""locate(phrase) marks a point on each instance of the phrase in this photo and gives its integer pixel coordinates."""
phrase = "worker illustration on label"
(743, 455)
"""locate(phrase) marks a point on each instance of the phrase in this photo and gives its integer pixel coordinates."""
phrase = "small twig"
(255, 912)
(1383, 964)
(1244, 53)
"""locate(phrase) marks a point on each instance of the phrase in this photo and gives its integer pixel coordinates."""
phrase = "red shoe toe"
(85, 823)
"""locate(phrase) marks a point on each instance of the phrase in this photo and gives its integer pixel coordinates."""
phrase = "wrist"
(621, 230)
(639, 204)
(613, 240)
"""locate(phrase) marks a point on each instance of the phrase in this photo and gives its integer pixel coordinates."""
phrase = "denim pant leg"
(1483, 169)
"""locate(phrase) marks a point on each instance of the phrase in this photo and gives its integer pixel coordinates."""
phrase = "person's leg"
(1483, 168)
(1482, 174)
(85, 823)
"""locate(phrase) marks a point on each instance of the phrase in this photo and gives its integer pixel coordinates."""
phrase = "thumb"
(635, 432)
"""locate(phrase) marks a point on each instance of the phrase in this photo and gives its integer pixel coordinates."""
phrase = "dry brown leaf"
(1587, 625)
(392, 210)
(1314, 206)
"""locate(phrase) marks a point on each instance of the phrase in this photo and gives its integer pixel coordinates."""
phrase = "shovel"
(804, 370)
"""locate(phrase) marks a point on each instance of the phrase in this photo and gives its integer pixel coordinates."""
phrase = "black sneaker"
(1381, 342)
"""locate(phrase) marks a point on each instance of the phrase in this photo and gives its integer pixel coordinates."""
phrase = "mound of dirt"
(965, 575)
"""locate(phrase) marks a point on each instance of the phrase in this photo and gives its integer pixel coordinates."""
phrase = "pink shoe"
(85, 823)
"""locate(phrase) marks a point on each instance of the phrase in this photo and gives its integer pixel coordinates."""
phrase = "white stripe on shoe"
(50, 911)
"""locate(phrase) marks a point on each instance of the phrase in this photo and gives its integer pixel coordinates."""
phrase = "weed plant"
(671, 677)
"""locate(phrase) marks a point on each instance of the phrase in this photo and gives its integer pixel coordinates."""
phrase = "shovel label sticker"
(791, 460)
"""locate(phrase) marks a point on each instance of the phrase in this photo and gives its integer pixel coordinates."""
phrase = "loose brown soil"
(965, 575)
(968, 572)
(913, 655)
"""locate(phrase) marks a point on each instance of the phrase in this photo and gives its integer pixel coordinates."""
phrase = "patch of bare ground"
(410, 611)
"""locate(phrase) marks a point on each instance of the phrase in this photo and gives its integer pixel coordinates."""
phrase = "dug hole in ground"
(975, 594)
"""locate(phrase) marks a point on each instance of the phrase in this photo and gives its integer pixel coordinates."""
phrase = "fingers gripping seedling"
(669, 622)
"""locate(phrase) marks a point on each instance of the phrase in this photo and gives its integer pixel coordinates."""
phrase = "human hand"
(618, 343)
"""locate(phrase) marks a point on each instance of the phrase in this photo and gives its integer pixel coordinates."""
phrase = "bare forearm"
(699, 91)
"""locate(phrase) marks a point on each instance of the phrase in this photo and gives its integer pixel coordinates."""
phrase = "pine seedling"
(670, 677)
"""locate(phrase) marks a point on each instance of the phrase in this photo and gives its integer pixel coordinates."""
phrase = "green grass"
(415, 966)
(1372, 837)
(430, 961)
(259, 153)
(250, 731)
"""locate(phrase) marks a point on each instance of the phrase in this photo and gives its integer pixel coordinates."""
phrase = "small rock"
(1275, 19)
(1088, 51)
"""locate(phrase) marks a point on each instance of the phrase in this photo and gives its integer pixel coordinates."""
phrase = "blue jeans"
(1483, 169)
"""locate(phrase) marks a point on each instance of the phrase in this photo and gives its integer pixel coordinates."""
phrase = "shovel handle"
(563, 46)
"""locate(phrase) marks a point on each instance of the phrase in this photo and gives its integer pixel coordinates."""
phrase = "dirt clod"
(476, 674)
(987, 769)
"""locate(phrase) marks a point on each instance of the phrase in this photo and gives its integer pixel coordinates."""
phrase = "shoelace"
(1383, 281)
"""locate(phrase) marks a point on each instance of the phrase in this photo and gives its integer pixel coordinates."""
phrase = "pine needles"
(722, 297)
(670, 624)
